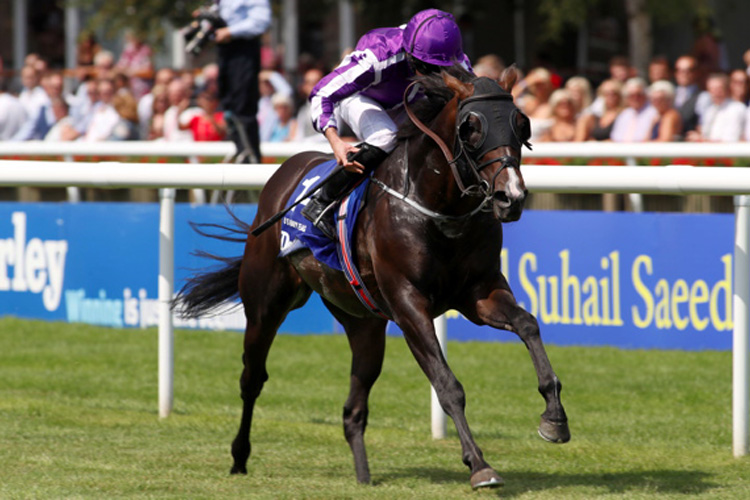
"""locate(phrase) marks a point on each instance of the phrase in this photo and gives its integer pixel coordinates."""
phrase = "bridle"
(465, 153)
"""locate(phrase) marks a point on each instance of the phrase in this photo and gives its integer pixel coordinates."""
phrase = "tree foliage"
(561, 14)
(146, 18)
(150, 18)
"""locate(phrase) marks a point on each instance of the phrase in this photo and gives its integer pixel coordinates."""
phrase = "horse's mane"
(435, 95)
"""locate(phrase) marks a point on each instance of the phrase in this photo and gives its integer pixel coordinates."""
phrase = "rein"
(421, 126)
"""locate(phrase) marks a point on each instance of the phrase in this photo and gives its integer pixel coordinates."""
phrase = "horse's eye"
(465, 129)
(470, 131)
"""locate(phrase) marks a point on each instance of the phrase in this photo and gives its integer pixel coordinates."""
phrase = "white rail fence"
(630, 153)
(561, 179)
(626, 151)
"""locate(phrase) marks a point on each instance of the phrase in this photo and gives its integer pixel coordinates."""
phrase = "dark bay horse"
(427, 240)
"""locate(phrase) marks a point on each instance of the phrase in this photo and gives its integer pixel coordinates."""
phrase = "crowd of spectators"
(125, 98)
(672, 102)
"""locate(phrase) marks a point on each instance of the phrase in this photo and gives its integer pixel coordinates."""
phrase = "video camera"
(200, 31)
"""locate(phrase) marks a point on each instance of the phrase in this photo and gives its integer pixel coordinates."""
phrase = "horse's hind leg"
(367, 342)
(495, 306)
(268, 294)
(254, 375)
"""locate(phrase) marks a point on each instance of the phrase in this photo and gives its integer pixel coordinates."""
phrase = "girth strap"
(344, 250)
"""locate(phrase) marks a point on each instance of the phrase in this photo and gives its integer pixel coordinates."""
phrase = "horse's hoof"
(486, 478)
(554, 432)
(238, 469)
(363, 478)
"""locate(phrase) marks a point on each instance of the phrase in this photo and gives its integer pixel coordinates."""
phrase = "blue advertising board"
(619, 279)
(622, 279)
(98, 263)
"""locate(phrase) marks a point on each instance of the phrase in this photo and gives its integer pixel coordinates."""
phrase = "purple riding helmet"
(433, 37)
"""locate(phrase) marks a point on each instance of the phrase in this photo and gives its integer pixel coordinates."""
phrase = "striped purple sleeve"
(355, 73)
(466, 63)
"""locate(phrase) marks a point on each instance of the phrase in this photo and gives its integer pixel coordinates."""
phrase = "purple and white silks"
(377, 69)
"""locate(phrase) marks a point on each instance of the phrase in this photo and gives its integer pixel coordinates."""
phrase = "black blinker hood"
(497, 112)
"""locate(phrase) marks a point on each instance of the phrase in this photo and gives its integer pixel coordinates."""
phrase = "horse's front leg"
(494, 305)
(412, 315)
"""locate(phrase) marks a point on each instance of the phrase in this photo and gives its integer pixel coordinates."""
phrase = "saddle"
(298, 233)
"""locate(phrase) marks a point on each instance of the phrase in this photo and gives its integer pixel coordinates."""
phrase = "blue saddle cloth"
(298, 233)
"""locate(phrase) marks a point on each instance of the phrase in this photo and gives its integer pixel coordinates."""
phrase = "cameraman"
(238, 45)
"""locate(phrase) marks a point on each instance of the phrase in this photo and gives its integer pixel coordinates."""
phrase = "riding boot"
(341, 182)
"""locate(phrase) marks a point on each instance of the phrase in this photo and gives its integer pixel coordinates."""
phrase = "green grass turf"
(78, 419)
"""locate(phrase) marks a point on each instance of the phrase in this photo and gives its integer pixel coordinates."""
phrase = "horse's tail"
(207, 289)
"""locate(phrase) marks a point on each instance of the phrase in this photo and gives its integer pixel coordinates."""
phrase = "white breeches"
(369, 121)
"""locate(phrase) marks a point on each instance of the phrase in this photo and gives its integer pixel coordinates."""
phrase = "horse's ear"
(461, 89)
(508, 78)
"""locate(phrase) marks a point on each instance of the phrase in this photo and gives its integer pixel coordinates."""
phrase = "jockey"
(366, 91)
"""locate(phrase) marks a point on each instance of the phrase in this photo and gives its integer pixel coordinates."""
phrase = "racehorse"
(427, 240)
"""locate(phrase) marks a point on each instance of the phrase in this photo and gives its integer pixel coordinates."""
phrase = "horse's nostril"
(501, 197)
